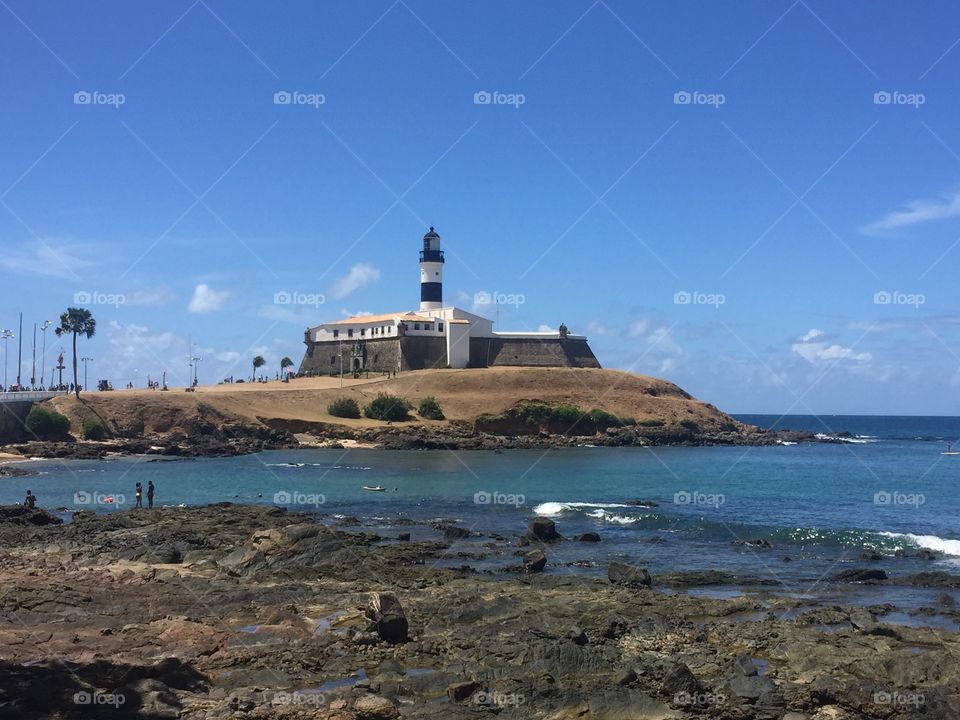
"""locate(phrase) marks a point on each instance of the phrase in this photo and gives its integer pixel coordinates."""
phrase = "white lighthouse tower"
(431, 272)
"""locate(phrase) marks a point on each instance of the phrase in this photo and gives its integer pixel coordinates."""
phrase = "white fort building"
(434, 336)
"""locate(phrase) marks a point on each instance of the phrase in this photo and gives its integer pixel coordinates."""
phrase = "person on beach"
(31, 500)
(139, 494)
(150, 494)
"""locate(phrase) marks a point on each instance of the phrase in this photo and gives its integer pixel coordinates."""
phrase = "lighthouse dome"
(431, 234)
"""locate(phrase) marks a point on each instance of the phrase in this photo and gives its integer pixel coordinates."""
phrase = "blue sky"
(791, 169)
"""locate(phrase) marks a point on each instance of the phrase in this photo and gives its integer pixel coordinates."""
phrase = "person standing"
(139, 495)
(31, 500)
(150, 494)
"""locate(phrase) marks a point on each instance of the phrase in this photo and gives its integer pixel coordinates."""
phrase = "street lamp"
(6, 335)
(85, 360)
(196, 364)
(43, 353)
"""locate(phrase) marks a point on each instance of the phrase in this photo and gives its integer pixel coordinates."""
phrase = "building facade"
(434, 336)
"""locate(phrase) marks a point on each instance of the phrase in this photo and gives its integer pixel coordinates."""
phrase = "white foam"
(930, 542)
(558, 508)
(601, 514)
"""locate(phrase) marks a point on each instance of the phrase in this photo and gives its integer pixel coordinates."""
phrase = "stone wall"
(531, 352)
(12, 416)
(420, 353)
(376, 355)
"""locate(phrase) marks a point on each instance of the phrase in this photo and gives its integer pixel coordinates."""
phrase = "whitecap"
(930, 542)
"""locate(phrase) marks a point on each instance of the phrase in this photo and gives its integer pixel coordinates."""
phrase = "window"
(416, 326)
(336, 333)
(439, 327)
(333, 359)
(350, 332)
(376, 357)
(363, 331)
(427, 326)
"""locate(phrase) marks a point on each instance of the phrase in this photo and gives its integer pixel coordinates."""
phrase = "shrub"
(94, 430)
(387, 407)
(603, 419)
(650, 422)
(430, 409)
(690, 425)
(344, 408)
(46, 423)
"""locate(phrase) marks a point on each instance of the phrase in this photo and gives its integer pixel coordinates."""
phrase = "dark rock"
(578, 636)
(403, 537)
(863, 620)
(452, 533)
(387, 617)
(544, 530)
(587, 537)
(864, 575)
(679, 679)
(946, 600)
(759, 543)
(534, 561)
(750, 687)
(746, 665)
(641, 503)
(628, 575)
(22, 515)
(626, 677)
(615, 626)
(458, 692)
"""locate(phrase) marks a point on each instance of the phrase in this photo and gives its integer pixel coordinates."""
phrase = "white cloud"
(595, 327)
(206, 300)
(47, 259)
(360, 275)
(637, 328)
(546, 328)
(916, 212)
(814, 350)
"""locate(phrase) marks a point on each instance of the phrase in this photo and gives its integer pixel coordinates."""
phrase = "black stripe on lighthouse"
(431, 292)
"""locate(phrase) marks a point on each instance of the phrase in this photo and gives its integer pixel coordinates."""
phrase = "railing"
(431, 256)
(31, 395)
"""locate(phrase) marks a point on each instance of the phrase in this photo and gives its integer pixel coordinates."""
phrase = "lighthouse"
(431, 272)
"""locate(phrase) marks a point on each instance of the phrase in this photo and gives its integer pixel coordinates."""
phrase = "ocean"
(886, 487)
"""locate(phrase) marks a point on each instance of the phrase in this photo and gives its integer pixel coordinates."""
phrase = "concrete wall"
(12, 415)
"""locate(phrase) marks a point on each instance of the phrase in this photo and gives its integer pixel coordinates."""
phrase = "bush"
(690, 425)
(603, 420)
(387, 407)
(650, 422)
(94, 430)
(46, 423)
(344, 408)
(430, 409)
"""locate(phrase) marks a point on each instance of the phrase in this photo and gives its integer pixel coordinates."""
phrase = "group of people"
(139, 495)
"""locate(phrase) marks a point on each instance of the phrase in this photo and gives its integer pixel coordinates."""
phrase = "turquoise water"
(818, 504)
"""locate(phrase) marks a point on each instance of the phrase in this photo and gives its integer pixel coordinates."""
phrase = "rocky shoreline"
(256, 612)
(275, 434)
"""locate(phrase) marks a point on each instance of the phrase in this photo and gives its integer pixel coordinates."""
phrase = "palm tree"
(284, 364)
(76, 321)
(258, 362)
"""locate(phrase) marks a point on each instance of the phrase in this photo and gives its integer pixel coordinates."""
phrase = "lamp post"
(85, 360)
(61, 367)
(6, 335)
(196, 364)
(33, 361)
(20, 353)
(341, 364)
(43, 353)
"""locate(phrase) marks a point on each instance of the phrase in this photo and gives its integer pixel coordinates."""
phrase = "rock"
(544, 530)
(862, 620)
(945, 600)
(628, 575)
(626, 677)
(746, 666)
(641, 503)
(750, 687)
(403, 537)
(578, 636)
(679, 679)
(458, 692)
(587, 537)
(759, 543)
(156, 699)
(452, 533)
(615, 626)
(864, 575)
(870, 554)
(374, 707)
(22, 515)
(534, 561)
(387, 617)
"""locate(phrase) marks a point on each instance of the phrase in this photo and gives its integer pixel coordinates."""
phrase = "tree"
(284, 364)
(258, 362)
(76, 321)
